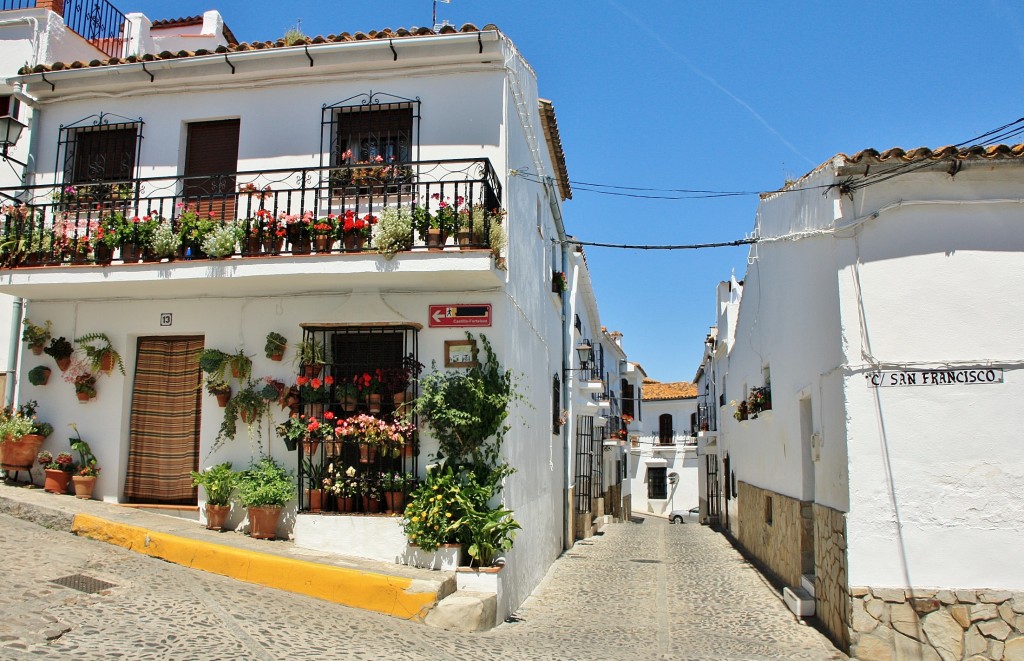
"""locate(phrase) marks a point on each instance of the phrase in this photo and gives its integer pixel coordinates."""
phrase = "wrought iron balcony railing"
(256, 213)
(97, 21)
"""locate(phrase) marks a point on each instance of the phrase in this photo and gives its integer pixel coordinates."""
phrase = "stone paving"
(640, 591)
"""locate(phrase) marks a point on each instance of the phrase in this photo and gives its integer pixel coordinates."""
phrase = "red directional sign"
(460, 315)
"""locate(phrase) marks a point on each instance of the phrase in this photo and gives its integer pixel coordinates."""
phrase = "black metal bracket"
(228, 62)
(151, 77)
(52, 86)
(480, 41)
(391, 42)
(310, 57)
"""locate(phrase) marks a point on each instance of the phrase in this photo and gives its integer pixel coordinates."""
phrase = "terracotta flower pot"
(56, 480)
(309, 448)
(367, 453)
(435, 239)
(371, 505)
(263, 522)
(223, 397)
(312, 371)
(346, 504)
(217, 516)
(107, 362)
(316, 500)
(84, 486)
(64, 363)
(373, 402)
(394, 501)
(37, 349)
(276, 357)
(20, 453)
(84, 396)
(354, 242)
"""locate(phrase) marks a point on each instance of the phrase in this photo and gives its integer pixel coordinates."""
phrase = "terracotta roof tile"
(554, 140)
(386, 33)
(656, 391)
(897, 154)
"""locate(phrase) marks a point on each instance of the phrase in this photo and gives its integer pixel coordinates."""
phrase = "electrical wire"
(692, 246)
(690, 193)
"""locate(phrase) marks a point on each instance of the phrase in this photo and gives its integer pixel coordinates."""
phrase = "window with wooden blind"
(103, 154)
(211, 161)
(628, 407)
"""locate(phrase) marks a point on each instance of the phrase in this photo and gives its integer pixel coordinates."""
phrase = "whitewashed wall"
(936, 472)
(682, 459)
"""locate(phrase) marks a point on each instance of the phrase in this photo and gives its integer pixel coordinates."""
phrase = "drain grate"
(648, 562)
(83, 583)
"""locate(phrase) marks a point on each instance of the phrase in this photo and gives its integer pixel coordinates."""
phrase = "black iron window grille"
(584, 462)
(355, 378)
(98, 157)
(556, 405)
(368, 141)
(657, 483)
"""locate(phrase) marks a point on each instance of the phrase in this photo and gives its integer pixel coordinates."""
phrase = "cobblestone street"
(640, 591)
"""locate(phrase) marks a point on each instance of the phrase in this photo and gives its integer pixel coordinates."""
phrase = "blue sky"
(734, 96)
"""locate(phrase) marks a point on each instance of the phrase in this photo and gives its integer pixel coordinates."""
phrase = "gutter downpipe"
(17, 309)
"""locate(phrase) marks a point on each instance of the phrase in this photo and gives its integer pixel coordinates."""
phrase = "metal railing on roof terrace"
(255, 213)
(100, 23)
(8, 5)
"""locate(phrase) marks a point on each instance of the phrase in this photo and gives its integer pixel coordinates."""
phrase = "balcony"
(670, 442)
(97, 21)
(302, 228)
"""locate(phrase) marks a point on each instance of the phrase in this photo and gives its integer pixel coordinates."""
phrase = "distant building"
(663, 449)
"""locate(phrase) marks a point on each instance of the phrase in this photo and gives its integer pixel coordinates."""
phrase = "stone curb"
(410, 596)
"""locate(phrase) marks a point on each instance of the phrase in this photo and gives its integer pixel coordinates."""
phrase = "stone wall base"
(890, 624)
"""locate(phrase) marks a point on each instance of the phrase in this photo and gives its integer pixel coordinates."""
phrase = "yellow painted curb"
(390, 595)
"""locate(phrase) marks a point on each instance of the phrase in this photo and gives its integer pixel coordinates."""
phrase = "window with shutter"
(211, 161)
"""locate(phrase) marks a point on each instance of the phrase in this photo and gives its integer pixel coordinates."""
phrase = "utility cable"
(692, 246)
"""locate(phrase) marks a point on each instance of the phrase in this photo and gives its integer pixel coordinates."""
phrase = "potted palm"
(219, 482)
(100, 353)
(264, 489)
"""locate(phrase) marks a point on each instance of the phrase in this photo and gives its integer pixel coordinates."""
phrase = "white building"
(264, 133)
(880, 314)
(663, 449)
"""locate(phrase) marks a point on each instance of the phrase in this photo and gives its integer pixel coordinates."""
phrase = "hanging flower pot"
(64, 363)
(223, 396)
(367, 453)
(373, 402)
(106, 361)
(309, 448)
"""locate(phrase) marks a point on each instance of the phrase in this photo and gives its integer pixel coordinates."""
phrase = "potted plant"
(19, 443)
(39, 375)
(314, 474)
(219, 482)
(219, 389)
(292, 430)
(488, 532)
(395, 485)
(60, 350)
(193, 228)
(309, 354)
(356, 230)
(165, 242)
(314, 393)
(347, 395)
(275, 346)
(558, 284)
(214, 363)
(369, 389)
(88, 470)
(220, 241)
(264, 489)
(435, 510)
(394, 232)
(240, 364)
(395, 380)
(341, 482)
(324, 231)
(36, 336)
(100, 353)
(57, 471)
(370, 490)
(250, 406)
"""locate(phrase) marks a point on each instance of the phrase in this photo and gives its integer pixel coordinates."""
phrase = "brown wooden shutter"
(211, 161)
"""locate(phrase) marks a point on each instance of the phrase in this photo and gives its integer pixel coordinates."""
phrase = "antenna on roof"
(438, 26)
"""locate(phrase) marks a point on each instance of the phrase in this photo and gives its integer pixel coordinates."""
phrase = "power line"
(692, 246)
(690, 193)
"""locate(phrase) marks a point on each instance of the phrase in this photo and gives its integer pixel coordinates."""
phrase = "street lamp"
(10, 132)
(585, 352)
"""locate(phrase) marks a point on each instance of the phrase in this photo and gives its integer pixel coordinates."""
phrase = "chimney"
(56, 6)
